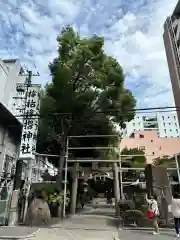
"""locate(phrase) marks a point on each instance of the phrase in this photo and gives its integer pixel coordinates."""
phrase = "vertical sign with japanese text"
(30, 122)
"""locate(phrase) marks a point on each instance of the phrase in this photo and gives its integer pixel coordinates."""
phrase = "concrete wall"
(153, 145)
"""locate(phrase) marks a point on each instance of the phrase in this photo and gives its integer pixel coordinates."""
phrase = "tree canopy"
(166, 161)
(86, 96)
(131, 160)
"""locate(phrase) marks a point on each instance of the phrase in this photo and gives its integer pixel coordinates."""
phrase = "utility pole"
(23, 90)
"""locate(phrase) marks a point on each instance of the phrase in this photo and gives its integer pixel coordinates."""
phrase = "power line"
(127, 112)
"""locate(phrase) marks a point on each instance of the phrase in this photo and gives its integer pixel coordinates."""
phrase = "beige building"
(171, 38)
(153, 145)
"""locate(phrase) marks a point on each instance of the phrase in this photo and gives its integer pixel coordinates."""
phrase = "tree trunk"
(116, 187)
(74, 188)
(60, 168)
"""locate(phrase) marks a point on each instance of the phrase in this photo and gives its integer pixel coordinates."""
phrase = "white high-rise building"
(166, 124)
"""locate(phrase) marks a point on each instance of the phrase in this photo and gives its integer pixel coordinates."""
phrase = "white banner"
(30, 122)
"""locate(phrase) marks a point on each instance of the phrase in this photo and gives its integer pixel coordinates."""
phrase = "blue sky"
(132, 31)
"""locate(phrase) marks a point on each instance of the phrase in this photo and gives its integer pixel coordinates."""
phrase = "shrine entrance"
(96, 179)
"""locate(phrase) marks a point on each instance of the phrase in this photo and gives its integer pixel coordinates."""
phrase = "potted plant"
(55, 201)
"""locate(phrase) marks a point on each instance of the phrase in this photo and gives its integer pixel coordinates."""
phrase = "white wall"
(9, 75)
(3, 83)
(167, 125)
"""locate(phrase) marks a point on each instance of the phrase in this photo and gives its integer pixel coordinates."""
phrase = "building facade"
(153, 145)
(165, 124)
(10, 139)
(39, 166)
(171, 38)
(11, 74)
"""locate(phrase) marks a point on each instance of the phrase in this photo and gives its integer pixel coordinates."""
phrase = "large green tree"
(86, 96)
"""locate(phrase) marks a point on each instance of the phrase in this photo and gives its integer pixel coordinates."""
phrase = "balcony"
(150, 125)
(150, 119)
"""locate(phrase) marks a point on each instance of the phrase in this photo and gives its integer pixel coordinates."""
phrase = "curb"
(20, 237)
(146, 229)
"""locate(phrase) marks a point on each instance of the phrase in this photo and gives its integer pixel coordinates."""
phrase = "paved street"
(95, 222)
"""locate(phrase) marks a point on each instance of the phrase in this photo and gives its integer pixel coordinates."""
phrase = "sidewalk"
(17, 232)
(79, 227)
(147, 235)
(86, 225)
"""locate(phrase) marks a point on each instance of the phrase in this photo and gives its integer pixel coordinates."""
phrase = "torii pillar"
(75, 173)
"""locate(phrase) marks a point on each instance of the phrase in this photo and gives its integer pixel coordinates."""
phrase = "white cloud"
(132, 30)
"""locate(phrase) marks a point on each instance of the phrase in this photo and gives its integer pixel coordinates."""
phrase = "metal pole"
(92, 136)
(120, 173)
(46, 155)
(177, 167)
(91, 148)
(65, 177)
(29, 180)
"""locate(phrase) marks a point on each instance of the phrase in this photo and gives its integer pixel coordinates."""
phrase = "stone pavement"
(80, 227)
(86, 225)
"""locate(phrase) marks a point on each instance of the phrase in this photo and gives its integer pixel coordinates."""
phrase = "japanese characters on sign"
(30, 122)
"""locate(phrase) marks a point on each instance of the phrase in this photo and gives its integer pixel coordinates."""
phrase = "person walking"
(175, 209)
(153, 212)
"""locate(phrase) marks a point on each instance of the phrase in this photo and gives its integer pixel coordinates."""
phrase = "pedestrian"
(153, 212)
(175, 209)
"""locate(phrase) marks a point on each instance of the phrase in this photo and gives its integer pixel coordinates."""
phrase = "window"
(8, 164)
(141, 135)
(151, 140)
(165, 130)
(177, 130)
(163, 117)
(153, 153)
(132, 135)
(160, 148)
(142, 148)
(169, 123)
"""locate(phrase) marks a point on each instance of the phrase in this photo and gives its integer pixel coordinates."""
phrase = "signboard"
(30, 122)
